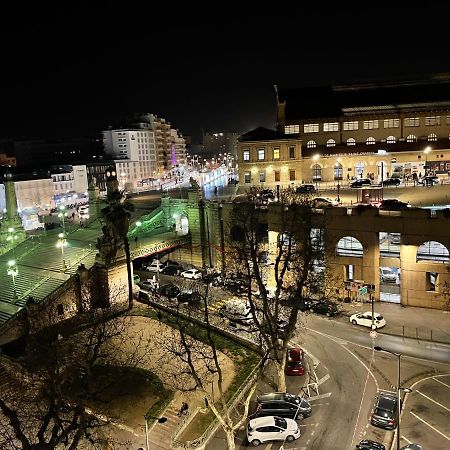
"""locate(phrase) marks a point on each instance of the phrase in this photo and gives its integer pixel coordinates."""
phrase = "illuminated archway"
(432, 251)
(349, 246)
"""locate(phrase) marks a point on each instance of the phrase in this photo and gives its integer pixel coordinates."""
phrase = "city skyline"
(75, 71)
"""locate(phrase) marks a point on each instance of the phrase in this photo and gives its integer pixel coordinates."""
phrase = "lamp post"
(62, 214)
(399, 388)
(62, 242)
(315, 159)
(13, 271)
(426, 151)
(159, 419)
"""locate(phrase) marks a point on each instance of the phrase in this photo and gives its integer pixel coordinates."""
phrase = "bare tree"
(55, 379)
(200, 362)
(282, 266)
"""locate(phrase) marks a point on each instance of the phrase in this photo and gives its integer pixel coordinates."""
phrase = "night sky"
(73, 70)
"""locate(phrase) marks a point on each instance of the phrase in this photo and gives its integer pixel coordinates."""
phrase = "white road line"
(323, 379)
(431, 426)
(407, 440)
(439, 381)
(434, 401)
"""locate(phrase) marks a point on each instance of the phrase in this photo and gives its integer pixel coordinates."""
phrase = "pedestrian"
(73, 215)
(215, 190)
(183, 410)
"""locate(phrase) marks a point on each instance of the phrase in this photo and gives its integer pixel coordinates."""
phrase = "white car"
(324, 202)
(148, 285)
(155, 266)
(271, 428)
(365, 319)
(192, 273)
(387, 276)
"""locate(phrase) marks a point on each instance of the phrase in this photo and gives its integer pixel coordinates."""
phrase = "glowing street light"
(62, 242)
(426, 151)
(13, 271)
(62, 215)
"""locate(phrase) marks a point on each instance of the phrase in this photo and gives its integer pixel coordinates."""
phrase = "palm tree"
(117, 216)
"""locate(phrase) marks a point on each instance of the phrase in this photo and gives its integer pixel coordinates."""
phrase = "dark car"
(214, 279)
(282, 404)
(169, 290)
(324, 307)
(391, 182)
(385, 411)
(172, 270)
(190, 297)
(367, 444)
(294, 362)
(429, 180)
(305, 189)
(360, 183)
(393, 204)
(172, 263)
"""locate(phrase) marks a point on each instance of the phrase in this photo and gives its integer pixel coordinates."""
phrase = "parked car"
(324, 202)
(194, 274)
(172, 270)
(367, 444)
(412, 447)
(360, 182)
(391, 182)
(214, 279)
(190, 297)
(393, 204)
(282, 404)
(429, 180)
(325, 307)
(387, 276)
(169, 290)
(148, 285)
(172, 263)
(294, 362)
(237, 310)
(305, 189)
(365, 319)
(155, 266)
(267, 429)
(385, 411)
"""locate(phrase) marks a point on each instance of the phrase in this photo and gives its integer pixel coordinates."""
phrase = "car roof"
(262, 421)
(295, 353)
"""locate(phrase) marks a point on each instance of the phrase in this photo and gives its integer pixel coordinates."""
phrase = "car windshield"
(279, 422)
(378, 317)
(291, 398)
(294, 364)
(380, 412)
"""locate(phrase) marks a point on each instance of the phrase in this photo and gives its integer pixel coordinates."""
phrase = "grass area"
(245, 361)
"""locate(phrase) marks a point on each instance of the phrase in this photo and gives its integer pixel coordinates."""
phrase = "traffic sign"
(373, 334)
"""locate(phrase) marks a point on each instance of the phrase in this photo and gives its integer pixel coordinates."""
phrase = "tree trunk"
(130, 281)
(230, 439)
(280, 371)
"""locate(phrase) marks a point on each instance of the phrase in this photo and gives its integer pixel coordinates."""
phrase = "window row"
(367, 124)
(432, 137)
(262, 154)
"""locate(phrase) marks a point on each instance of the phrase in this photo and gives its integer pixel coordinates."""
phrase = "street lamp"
(426, 151)
(399, 388)
(62, 242)
(62, 214)
(13, 271)
(315, 159)
(158, 419)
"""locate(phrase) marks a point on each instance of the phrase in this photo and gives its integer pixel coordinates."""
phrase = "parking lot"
(426, 414)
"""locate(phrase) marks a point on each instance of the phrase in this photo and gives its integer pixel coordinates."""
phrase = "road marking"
(439, 381)
(318, 397)
(431, 426)
(407, 440)
(323, 379)
(434, 401)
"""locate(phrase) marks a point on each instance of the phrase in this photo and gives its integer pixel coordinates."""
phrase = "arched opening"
(351, 141)
(432, 137)
(349, 246)
(181, 224)
(370, 140)
(391, 140)
(338, 171)
(359, 169)
(411, 138)
(432, 251)
(331, 143)
(316, 172)
(311, 144)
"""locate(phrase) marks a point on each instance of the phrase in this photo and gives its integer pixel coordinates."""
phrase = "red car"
(294, 362)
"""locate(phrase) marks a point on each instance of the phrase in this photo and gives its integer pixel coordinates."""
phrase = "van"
(237, 310)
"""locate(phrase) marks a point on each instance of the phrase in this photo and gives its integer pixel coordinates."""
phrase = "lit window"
(316, 172)
(246, 155)
(411, 121)
(391, 123)
(411, 138)
(432, 137)
(351, 141)
(292, 129)
(431, 281)
(331, 143)
(311, 144)
(311, 128)
(261, 154)
(370, 124)
(349, 246)
(370, 141)
(351, 126)
(247, 177)
(338, 171)
(331, 126)
(390, 140)
(433, 120)
(262, 177)
(432, 251)
(276, 153)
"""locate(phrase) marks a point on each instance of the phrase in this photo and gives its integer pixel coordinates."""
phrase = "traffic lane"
(426, 413)
(348, 405)
(341, 327)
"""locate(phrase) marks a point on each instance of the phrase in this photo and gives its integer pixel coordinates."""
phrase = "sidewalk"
(408, 321)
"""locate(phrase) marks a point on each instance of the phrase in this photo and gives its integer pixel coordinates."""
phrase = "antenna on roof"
(276, 90)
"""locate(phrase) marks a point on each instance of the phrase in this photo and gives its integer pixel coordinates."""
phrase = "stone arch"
(432, 251)
(349, 246)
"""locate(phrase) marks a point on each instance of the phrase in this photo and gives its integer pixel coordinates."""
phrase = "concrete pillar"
(196, 218)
